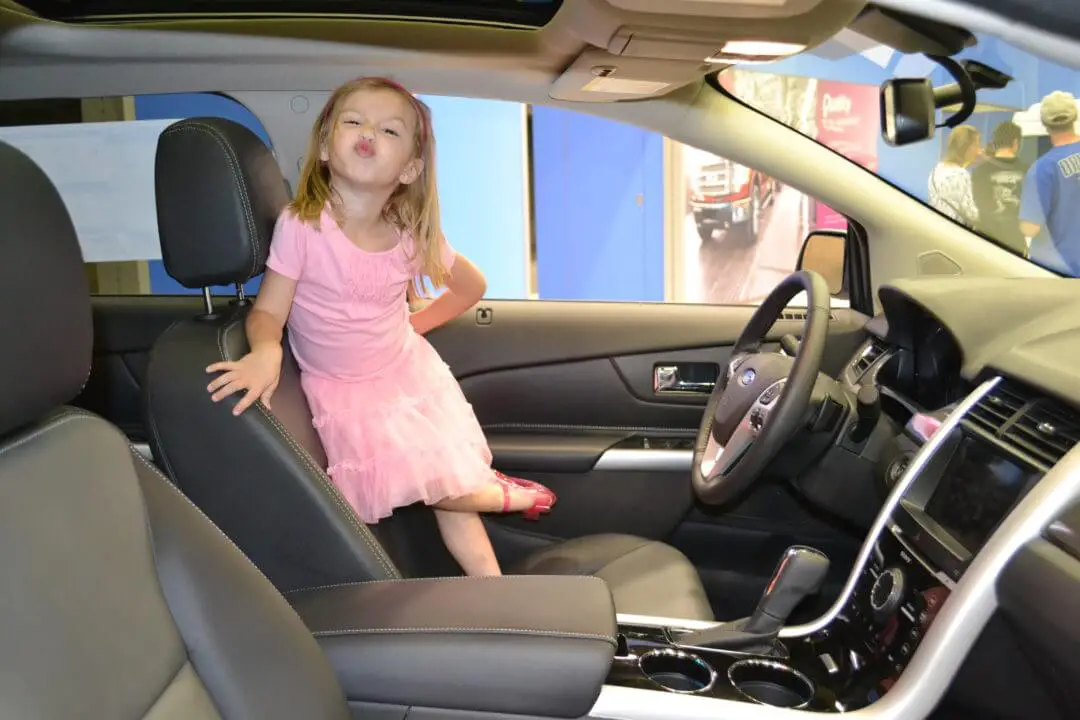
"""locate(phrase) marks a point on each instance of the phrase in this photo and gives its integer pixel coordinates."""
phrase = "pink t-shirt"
(349, 316)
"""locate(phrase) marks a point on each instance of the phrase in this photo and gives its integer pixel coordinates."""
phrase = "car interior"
(859, 495)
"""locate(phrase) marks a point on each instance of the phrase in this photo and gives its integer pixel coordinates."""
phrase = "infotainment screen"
(976, 490)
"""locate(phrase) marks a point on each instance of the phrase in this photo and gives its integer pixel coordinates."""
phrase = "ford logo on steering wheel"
(747, 377)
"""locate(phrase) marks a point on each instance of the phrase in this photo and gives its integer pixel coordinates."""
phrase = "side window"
(624, 214)
(555, 204)
(99, 152)
(744, 231)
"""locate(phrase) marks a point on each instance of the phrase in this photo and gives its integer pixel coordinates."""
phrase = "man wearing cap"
(1050, 203)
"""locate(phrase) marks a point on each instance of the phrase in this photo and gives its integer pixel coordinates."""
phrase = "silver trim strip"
(881, 521)
(655, 460)
(948, 641)
(144, 450)
(869, 544)
(654, 621)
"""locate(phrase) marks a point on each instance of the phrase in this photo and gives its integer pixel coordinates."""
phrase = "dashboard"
(945, 334)
(983, 384)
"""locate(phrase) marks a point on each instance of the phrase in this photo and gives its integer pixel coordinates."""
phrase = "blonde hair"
(960, 141)
(412, 208)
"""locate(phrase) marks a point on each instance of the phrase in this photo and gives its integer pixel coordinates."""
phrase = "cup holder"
(771, 683)
(677, 671)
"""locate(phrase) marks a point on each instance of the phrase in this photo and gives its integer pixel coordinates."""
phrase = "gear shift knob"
(800, 573)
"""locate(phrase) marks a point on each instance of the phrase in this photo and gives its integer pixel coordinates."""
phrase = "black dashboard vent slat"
(800, 315)
(997, 408)
(1034, 424)
(868, 357)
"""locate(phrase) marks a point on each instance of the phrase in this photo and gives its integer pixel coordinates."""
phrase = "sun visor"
(720, 8)
(598, 76)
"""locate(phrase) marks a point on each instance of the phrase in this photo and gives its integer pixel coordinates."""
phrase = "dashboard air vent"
(800, 315)
(1038, 426)
(868, 357)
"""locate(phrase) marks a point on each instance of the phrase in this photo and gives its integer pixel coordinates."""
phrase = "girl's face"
(372, 144)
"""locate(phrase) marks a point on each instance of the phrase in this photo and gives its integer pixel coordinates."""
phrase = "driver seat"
(260, 476)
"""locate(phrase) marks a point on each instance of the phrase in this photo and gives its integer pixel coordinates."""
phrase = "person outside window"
(997, 183)
(1050, 203)
(950, 181)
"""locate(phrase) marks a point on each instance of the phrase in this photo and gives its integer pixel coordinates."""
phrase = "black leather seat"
(120, 599)
(260, 476)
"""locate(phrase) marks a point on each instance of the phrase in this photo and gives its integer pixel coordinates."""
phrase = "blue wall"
(482, 192)
(598, 189)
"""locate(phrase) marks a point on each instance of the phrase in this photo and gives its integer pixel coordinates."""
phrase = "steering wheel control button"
(769, 395)
(757, 419)
(887, 593)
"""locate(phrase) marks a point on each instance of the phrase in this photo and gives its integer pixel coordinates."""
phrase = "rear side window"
(99, 152)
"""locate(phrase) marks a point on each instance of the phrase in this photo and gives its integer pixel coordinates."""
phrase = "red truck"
(730, 197)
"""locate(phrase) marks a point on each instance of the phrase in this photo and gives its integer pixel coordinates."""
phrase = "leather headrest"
(46, 329)
(219, 193)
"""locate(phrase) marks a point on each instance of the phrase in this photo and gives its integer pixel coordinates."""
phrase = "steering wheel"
(761, 398)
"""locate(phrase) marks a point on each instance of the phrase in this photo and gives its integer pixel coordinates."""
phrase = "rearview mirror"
(823, 253)
(907, 110)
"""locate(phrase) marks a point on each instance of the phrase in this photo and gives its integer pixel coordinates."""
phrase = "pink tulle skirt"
(404, 435)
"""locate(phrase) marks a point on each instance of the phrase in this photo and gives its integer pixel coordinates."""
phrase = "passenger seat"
(119, 599)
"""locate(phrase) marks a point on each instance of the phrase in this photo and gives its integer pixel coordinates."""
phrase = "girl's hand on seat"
(257, 373)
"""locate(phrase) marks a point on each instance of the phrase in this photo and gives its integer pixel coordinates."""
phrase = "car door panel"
(564, 392)
(585, 412)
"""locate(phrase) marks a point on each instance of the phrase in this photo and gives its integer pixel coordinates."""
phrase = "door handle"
(668, 379)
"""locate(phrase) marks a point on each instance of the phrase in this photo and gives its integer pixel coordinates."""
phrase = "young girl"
(354, 245)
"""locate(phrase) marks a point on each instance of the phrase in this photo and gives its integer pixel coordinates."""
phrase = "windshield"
(1011, 171)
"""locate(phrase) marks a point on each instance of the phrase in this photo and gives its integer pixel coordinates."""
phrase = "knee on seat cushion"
(646, 577)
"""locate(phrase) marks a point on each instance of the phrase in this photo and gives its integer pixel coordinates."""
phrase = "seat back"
(259, 476)
(119, 599)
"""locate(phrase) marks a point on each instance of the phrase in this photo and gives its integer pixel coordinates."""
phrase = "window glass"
(624, 214)
(550, 204)
(99, 152)
(1008, 171)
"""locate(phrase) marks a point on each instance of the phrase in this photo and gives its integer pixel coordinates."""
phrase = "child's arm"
(465, 286)
(258, 371)
(267, 319)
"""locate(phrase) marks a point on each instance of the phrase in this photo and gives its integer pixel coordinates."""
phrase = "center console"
(944, 506)
(550, 646)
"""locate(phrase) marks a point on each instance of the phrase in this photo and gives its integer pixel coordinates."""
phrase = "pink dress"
(392, 418)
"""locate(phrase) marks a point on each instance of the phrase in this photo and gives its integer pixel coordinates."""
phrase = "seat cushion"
(646, 577)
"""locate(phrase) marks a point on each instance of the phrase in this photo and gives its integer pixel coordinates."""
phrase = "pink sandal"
(544, 499)
(526, 484)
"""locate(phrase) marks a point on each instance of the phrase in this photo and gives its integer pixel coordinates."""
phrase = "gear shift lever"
(800, 573)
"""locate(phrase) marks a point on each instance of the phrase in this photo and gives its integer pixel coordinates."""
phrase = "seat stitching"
(320, 476)
(456, 578)
(70, 414)
(151, 416)
(237, 177)
(464, 630)
(65, 416)
(172, 488)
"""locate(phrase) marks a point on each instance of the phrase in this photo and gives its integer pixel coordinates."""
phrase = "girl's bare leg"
(468, 541)
(489, 499)
(463, 531)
